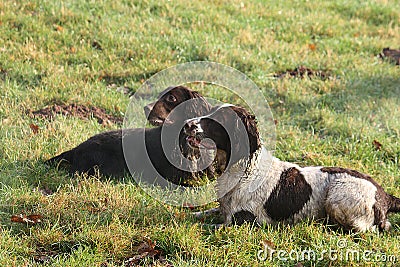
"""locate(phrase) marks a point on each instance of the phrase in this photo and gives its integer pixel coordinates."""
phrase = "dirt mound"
(78, 111)
(303, 71)
(392, 55)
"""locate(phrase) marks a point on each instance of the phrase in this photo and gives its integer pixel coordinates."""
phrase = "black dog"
(144, 154)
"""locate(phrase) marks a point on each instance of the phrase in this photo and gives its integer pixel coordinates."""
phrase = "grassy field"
(82, 51)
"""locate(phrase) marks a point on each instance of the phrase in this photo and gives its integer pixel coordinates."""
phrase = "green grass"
(71, 52)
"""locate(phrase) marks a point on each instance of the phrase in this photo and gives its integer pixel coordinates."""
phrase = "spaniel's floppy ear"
(254, 135)
(249, 121)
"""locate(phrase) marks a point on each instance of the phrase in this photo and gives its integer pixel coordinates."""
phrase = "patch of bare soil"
(78, 111)
(45, 255)
(392, 55)
(303, 71)
(147, 249)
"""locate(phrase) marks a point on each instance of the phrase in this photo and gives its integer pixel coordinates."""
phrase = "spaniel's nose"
(147, 109)
(192, 127)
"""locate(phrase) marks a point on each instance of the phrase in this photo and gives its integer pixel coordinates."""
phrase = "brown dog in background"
(104, 152)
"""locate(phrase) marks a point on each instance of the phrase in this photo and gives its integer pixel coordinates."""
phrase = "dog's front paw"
(198, 214)
(202, 214)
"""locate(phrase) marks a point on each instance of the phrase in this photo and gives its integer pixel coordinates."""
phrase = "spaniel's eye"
(171, 98)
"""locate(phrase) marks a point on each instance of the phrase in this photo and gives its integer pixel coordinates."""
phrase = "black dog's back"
(102, 151)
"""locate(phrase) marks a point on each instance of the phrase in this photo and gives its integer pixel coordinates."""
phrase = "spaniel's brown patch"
(289, 196)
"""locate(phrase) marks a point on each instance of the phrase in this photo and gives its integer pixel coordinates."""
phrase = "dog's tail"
(394, 204)
(63, 158)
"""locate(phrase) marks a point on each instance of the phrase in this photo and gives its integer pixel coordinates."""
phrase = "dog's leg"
(213, 226)
(201, 214)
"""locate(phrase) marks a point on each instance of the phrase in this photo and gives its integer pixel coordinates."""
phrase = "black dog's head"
(233, 129)
(157, 112)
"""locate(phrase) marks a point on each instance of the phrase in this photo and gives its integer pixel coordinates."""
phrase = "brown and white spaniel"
(257, 187)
